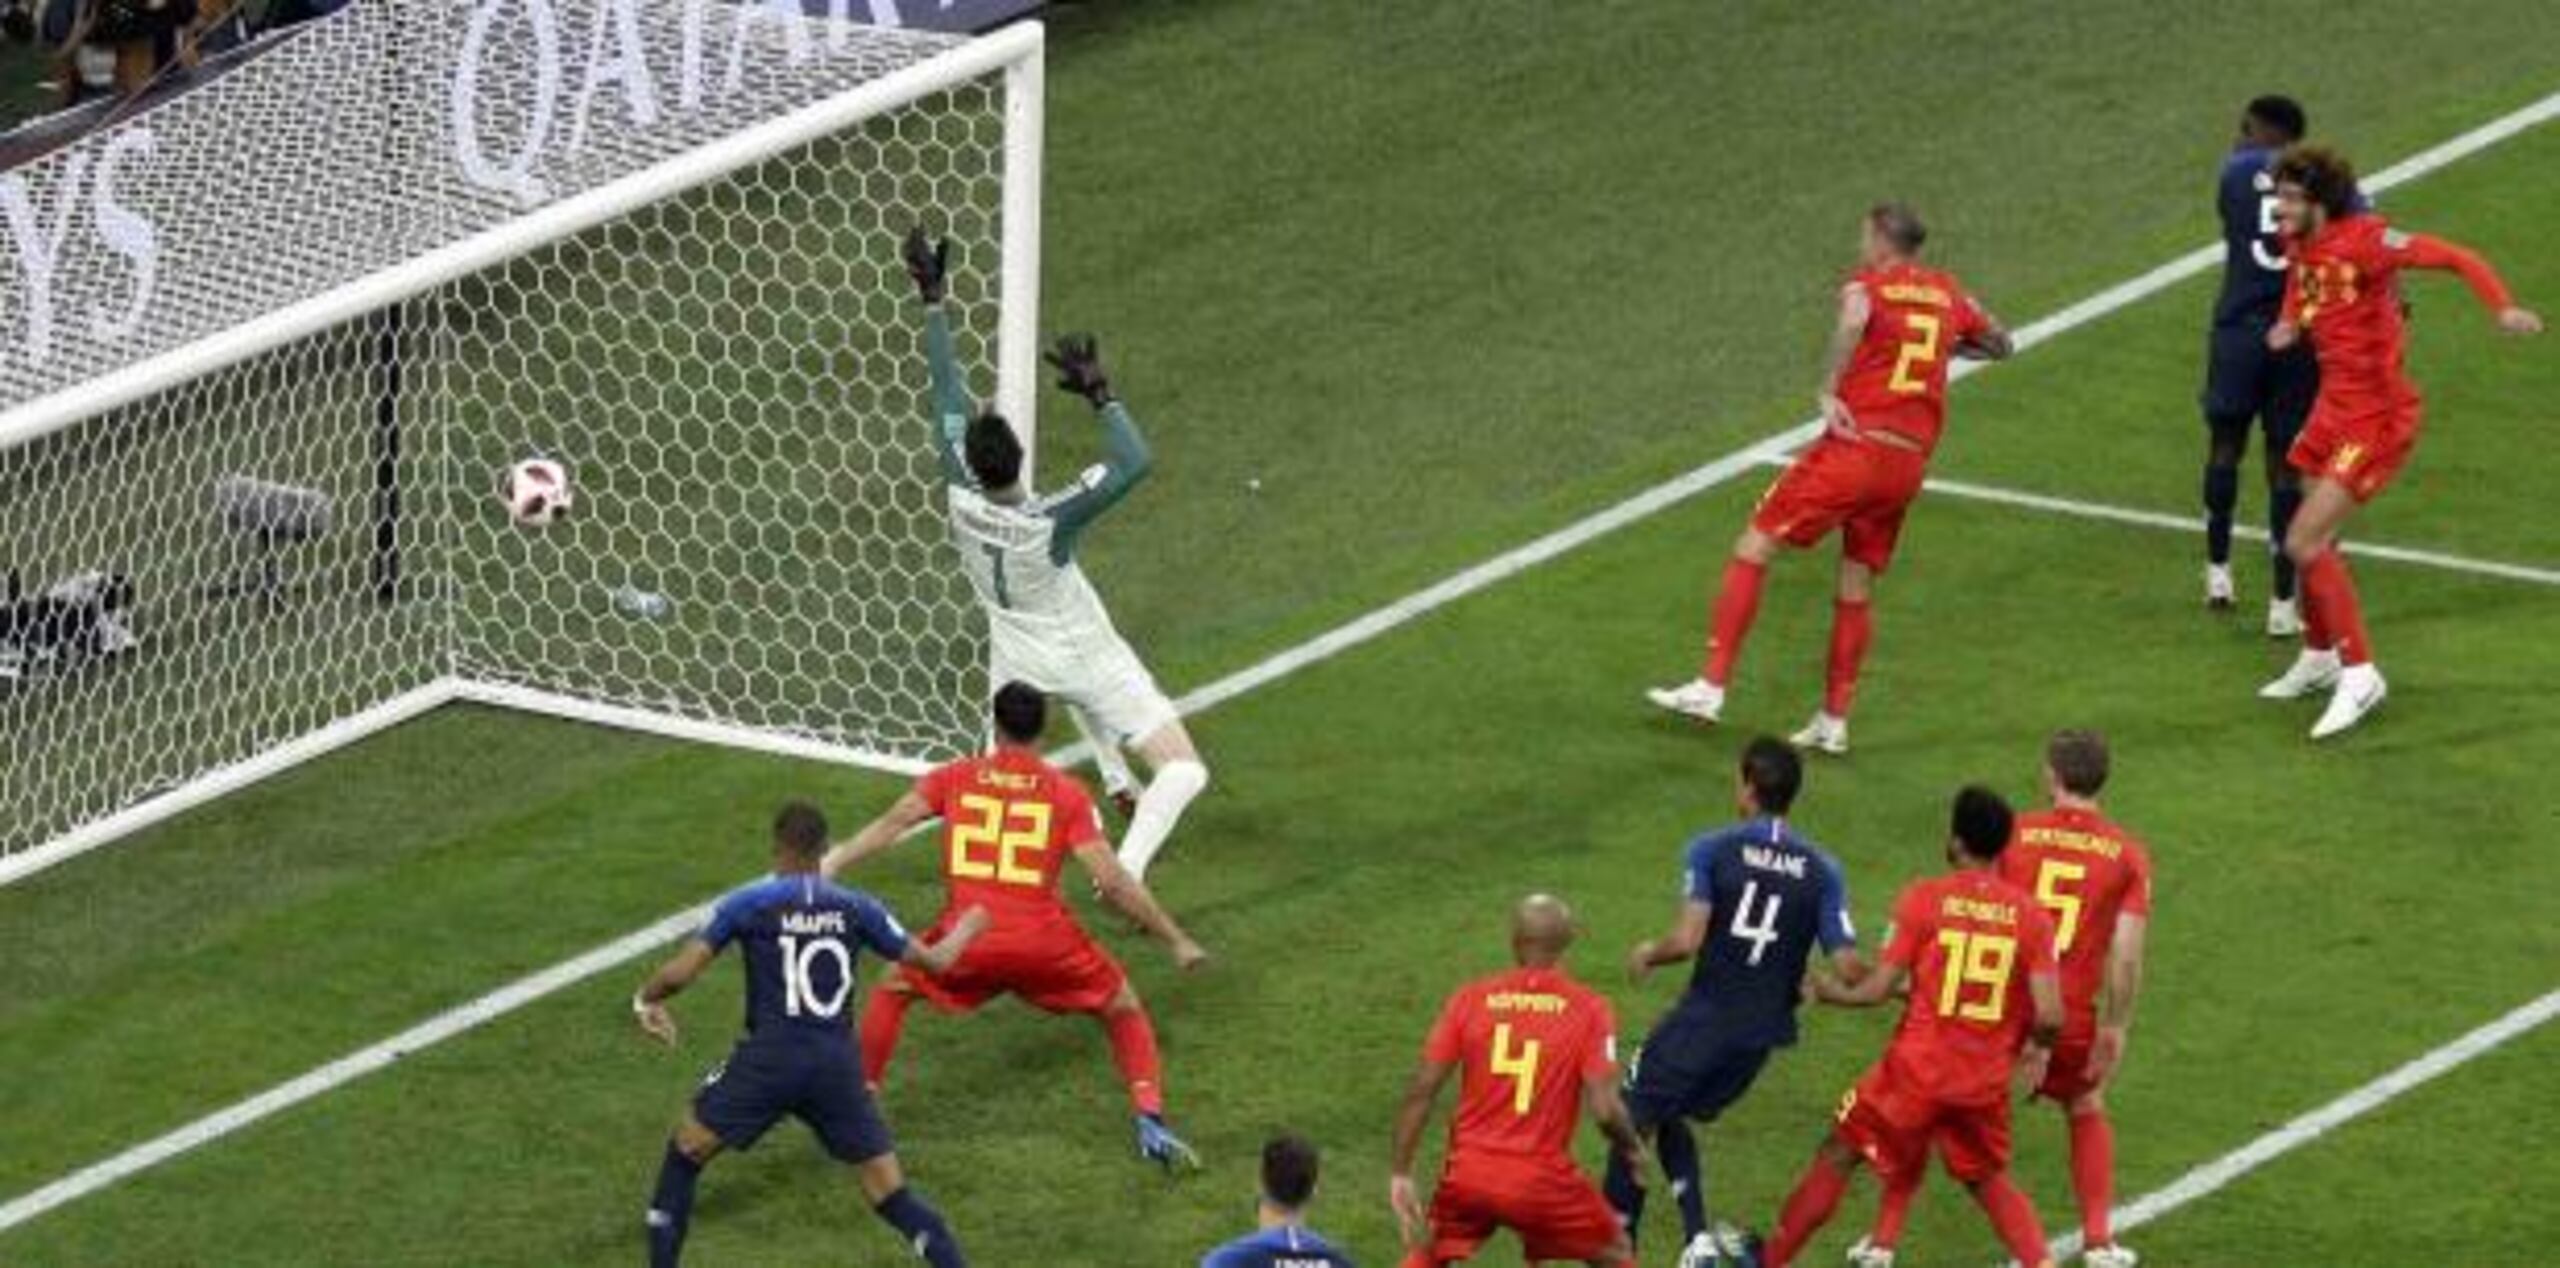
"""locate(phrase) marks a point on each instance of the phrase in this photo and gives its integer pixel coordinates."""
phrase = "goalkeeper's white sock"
(1159, 808)
(1107, 758)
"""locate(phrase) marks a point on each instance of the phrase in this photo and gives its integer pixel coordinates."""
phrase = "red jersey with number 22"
(2088, 874)
(1524, 1043)
(1009, 822)
(1970, 942)
(1896, 379)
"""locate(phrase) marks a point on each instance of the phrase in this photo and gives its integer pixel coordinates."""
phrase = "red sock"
(2013, 1217)
(884, 1015)
(2332, 591)
(1852, 626)
(1133, 1050)
(1737, 605)
(1893, 1213)
(1806, 1211)
(2315, 620)
(2093, 1174)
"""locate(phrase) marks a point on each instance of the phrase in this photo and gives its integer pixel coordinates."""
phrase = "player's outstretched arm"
(1988, 341)
(1412, 1117)
(1608, 1109)
(649, 1006)
(929, 264)
(897, 821)
(1867, 991)
(1126, 460)
(2421, 251)
(1687, 934)
(1130, 897)
(936, 958)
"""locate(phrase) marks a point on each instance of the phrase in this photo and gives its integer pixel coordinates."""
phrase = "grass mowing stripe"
(2204, 1181)
(1323, 647)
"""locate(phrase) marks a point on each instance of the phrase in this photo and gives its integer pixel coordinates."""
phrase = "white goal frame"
(1017, 51)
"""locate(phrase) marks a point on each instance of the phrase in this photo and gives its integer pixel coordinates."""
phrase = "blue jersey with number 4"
(1771, 897)
(1284, 1247)
(799, 936)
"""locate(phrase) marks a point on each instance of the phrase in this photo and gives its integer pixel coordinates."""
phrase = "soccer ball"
(536, 492)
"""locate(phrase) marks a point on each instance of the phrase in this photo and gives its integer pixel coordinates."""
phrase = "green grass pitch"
(1441, 277)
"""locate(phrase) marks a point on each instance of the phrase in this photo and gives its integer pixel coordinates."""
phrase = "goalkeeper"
(1047, 625)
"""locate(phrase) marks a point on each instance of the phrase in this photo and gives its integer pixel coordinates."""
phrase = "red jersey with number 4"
(1896, 380)
(1524, 1043)
(1970, 941)
(2088, 874)
(2342, 288)
(1009, 822)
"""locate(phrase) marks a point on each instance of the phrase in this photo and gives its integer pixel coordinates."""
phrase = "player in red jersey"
(1985, 1003)
(2094, 879)
(1010, 822)
(1533, 1050)
(2342, 290)
(1883, 405)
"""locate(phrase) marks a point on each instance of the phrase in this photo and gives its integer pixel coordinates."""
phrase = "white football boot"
(1696, 698)
(2360, 691)
(2284, 619)
(1866, 1254)
(2219, 593)
(1825, 734)
(2110, 1257)
(1703, 1251)
(2313, 670)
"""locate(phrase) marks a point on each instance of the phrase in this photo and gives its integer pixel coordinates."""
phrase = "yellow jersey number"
(1520, 1065)
(1976, 959)
(2058, 890)
(1919, 353)
(991, 836)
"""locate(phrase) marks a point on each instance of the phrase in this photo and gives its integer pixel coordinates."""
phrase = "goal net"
(265, 349)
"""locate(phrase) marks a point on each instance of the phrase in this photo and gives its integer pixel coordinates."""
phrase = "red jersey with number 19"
(1896, 379)
(2087, 873)
(1970, 941)
(1525, 1041)
(1010, 820)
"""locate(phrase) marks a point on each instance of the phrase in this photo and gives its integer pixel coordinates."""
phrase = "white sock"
(1107, 757)
(1159, 808)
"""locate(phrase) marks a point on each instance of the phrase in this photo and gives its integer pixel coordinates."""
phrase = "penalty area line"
(1323, 647)
(2205, 1180)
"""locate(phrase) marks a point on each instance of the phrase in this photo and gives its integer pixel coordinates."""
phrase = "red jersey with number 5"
(2088, 874)
(1009, 821)
(1970, 941)
(1524, 1043)
(1896, 380)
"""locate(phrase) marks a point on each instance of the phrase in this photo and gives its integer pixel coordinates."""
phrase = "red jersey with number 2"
(1010, 820)
(2088, 874)
(1970, 941)
(1524, 1043)
(1896, 379)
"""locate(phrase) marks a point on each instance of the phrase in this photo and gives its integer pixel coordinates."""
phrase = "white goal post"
(265, 347)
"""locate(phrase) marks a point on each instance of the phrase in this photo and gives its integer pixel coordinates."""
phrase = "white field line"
(2194, 524)
(1323, 647)
(2212, 1177)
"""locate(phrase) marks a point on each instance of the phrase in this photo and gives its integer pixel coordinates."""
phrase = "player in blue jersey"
(2244, 382)
(799, 935)
(1756, 899)
(1289, 1166)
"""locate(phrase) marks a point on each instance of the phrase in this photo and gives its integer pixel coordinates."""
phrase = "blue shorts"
(819, 1083)
(1692, 1067)
(2243, 381)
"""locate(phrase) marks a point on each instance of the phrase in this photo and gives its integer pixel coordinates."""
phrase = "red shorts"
(1893, 1127)
(1557, 1211)
(2362, 450)
(1861, 488)
(2066, 1076)
(1053, 966)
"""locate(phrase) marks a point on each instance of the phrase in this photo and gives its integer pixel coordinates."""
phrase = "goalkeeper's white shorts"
(1101, 676)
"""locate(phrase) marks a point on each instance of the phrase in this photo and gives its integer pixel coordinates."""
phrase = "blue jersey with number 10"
(800, 935)
(1772, 896)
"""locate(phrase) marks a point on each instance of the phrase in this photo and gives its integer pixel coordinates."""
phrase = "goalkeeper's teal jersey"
(1019, 551)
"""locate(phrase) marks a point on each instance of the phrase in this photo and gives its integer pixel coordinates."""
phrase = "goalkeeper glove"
(1079, 362)
(929, 263)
